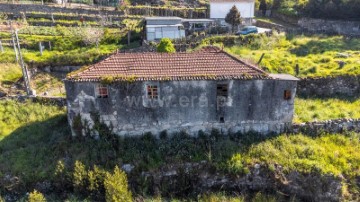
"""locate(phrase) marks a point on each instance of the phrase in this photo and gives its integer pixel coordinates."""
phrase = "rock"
(127, 168)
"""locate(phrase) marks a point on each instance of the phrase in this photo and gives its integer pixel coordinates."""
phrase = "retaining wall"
(329, 86)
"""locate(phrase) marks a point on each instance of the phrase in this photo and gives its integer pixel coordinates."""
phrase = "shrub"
(95, 178)
(166, 46)
(236, 164)
(116, 187)
(36, 196)
(79, 175)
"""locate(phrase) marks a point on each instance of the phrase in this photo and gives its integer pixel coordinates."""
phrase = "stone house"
(134, 93)
(220, 8)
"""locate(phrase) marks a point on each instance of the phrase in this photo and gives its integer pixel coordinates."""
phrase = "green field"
(316, 109)
(316, 56)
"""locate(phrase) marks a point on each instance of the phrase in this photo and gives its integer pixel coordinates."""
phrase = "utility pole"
(19, 57)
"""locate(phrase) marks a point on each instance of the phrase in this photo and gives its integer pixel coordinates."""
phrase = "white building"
(219, 9)
(164, 27)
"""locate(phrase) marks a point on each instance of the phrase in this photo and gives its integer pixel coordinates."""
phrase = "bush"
(79, 175)
(236, 164)
(95, 178)
(36, 196)
(166, 46)
(116, 187)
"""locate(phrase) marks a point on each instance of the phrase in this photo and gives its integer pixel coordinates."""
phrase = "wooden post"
(129, 36)
(1, 47)
(262, 56)
(40, 48)
(297, 69)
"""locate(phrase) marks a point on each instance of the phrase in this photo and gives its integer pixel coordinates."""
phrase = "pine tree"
(263, 7)
(233, 18)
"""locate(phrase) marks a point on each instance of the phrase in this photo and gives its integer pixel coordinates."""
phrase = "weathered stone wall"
(329, 86)
(252, 105)
(330, 126)
(57, 101)
(269, 25)
(330, 26)
(285, 18)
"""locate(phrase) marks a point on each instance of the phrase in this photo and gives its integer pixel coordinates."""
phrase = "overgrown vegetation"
(9, 74)
(15, 115)
(67, 46)
(36, 148)
(316, 109)
(316, 56)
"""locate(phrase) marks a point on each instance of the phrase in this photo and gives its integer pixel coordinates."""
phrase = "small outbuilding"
(135, 93)
(157, 28)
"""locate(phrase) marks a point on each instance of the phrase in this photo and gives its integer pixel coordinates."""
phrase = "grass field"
(317, 56)
(316, 109)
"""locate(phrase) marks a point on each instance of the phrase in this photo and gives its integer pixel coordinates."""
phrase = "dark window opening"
(152, 92)
(102, 91)
(222, 90)
(222, 120)
(287, 95)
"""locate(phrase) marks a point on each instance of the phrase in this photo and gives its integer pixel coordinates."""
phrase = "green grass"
(16, 114)
(317, 56)
(316, 109)
(329, 154)
(9, 73)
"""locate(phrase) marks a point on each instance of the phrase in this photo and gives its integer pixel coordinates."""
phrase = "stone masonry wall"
(329, 126)
(329, 86)
(187, 106)
(330, 26)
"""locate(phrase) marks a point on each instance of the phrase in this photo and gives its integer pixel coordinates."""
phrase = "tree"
(130, 25)
(263, 7)
(116, 187)
(166, 46)
(233, 18)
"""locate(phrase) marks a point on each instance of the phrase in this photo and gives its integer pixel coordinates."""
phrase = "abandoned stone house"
(134, 93)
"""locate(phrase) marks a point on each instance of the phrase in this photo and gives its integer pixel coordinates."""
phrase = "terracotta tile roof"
(207, 64)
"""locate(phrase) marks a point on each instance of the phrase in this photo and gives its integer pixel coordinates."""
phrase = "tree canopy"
(233, 18)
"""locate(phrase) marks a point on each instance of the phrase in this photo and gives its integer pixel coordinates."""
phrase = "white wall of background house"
(219, 9)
